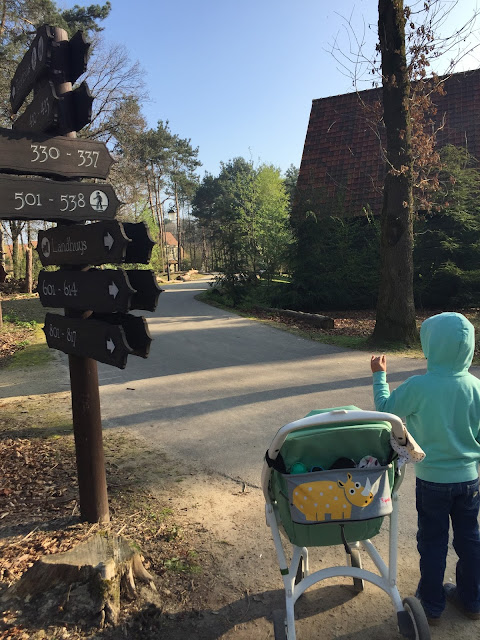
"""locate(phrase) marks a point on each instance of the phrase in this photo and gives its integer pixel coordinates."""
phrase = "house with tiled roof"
(342, 168)
(171, 247)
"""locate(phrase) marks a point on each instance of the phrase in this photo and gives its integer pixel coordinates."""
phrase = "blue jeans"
(437, 503)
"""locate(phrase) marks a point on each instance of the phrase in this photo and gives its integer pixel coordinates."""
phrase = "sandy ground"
(230, 526)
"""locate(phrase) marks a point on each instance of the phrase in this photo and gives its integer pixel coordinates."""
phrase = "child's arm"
(400, 402)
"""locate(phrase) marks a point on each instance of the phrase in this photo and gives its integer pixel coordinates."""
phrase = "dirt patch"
(13, 339)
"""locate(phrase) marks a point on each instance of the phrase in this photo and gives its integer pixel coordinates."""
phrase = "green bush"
(336, 264)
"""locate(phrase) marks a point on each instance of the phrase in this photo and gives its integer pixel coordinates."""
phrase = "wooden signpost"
(50, 112)
(48, 54)
(96, 325)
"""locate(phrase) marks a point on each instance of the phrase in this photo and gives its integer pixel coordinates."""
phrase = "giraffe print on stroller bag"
(339, 495)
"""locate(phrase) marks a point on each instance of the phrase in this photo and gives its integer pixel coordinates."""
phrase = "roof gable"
(342, 161)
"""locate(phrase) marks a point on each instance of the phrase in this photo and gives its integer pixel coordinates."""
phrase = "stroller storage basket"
(339, 495)
(322, 445)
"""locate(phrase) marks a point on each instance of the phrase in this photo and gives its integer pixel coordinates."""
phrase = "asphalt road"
(216, 387)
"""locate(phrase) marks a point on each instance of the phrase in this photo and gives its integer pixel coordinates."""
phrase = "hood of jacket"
(448, 342)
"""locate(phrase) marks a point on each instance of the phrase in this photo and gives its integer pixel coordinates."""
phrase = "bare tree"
(113, 81)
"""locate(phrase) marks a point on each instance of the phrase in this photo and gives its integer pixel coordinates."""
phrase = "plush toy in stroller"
(329, 479)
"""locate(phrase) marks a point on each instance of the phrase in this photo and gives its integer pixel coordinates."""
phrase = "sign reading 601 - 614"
(42, 199)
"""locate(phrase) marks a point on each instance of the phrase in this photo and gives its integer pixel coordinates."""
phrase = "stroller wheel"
(356, 561)
(419, 623)
(279, 624)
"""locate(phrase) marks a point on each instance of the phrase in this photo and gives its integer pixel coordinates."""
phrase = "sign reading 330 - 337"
(40, 154)
(43, 199)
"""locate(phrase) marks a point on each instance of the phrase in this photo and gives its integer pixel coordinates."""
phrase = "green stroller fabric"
(321, 446)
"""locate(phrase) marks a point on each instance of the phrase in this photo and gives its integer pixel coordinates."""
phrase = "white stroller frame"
(411, 618)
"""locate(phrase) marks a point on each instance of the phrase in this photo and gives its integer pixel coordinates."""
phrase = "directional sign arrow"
(89, 338)
(113, 290)
(108, 240)
(105, 291)
(43, 199)
(31, 153)
(135, 328)
(94, 244)
(35, 63)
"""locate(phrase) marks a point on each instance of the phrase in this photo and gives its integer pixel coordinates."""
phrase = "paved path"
(216, 387)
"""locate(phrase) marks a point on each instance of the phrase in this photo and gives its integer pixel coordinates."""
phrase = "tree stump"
(87, 582)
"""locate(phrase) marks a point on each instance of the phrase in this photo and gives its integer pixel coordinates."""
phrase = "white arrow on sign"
(113, 289)
(108, 241)
(110, 345)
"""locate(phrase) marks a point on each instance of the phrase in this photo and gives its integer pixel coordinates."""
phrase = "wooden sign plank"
(67, 60)
(135, 328)
(60, 114)
(146, 288)
(43, 113)
(105, 291)
(95, 244)
(140, 249)
(34, 64)
(43, 199)
(39, 154)
(88, 338)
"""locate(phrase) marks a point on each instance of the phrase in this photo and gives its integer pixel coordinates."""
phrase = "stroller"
(317, 494)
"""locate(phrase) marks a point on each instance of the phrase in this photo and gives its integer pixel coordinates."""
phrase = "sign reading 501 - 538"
(43, 199)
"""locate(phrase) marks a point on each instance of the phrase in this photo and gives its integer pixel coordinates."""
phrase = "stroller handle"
(334, 417)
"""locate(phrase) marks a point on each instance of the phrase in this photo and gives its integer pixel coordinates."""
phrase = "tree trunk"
(29, 270)
(86, 583)
(2, 272)
(179, 238)
(15, 260)
(395, 319)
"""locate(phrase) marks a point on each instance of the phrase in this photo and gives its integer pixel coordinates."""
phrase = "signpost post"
(96, 325)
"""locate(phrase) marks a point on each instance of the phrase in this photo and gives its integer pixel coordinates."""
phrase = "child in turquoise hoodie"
(442, 412)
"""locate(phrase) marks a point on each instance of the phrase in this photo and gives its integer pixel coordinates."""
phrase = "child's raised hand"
(378, 363)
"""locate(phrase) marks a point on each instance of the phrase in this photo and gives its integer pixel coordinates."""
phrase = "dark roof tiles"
(342, 156)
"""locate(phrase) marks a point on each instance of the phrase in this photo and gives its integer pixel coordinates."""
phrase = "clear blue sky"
(238, 77)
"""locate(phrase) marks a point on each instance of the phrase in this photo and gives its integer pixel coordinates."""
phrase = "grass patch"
(42, 416)
(300, 329)
(33, 352)
(22, 341)
(25, 309)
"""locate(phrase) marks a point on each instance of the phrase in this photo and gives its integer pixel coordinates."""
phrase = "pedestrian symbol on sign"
(99, 201)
